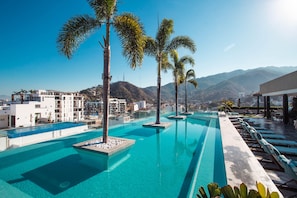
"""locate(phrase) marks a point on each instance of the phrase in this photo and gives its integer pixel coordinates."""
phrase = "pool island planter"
(104, 156)
(161, 125)
(177, 117)
(187, 113)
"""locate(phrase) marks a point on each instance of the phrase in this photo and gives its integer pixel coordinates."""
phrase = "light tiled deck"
(241, 164)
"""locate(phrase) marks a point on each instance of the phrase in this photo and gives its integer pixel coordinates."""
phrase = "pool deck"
(241, 164)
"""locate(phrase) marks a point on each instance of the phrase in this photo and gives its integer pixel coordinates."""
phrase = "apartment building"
(116, 107)
(42, 106)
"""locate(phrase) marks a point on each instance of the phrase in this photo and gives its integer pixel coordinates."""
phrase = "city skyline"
(229, 35)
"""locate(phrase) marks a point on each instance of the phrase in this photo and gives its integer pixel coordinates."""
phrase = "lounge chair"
(266, 131)
(287, 143)
(287, 150)
(267, 134)
(279, 142)
(271, 135)
(289, 166)
(274, 136)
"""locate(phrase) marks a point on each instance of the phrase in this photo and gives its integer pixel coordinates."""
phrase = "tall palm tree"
(189, 77)
(160, 48)
(126, 25)
(178, 68)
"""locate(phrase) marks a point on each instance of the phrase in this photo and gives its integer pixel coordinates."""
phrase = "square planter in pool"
(104, 156)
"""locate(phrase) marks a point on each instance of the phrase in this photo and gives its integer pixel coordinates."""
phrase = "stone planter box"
(102, 156)
(178, 117)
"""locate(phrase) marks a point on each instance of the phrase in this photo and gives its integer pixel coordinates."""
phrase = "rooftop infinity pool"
(171, 162)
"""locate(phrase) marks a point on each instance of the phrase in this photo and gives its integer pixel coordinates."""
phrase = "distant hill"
(130, 92)
(226, 85)
(122, 90)
(4, 97)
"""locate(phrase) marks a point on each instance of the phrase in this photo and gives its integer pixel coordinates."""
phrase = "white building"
(134, 107)
(141, 104)
(116, 107)
(171, 108)
(42, 106)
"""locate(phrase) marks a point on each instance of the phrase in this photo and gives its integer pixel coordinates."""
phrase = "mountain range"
(228, 85)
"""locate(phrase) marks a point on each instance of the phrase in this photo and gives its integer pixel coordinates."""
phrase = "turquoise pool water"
(171, 162)
(18, 132)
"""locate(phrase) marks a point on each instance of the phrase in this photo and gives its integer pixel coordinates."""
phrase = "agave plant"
(237, 192)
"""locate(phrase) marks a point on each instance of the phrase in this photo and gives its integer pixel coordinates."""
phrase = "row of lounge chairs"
(275, 145)
(287, 147)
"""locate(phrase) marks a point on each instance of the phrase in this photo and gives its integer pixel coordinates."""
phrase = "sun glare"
(284, 13)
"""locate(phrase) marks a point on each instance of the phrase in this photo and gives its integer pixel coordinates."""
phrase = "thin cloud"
(229, 47)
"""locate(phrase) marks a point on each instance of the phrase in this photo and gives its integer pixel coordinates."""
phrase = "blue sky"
(230, 35)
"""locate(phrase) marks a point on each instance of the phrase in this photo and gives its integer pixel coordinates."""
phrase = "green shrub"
(237, 192)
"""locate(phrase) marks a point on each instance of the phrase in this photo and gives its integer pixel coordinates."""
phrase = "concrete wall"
(286, 84)
(24, 114)
(3, 143)
(3, 121)
(4, 116)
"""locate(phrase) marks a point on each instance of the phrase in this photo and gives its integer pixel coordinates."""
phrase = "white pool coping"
(41, 137)
(241, 164)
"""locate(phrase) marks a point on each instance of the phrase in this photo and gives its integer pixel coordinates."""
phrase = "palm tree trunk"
(175, 84)
(158, 92)
(186, 96)
(106, 83)
(22, 98)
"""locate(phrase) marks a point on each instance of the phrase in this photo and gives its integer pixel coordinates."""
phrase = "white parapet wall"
(3, 143)
(41, 137)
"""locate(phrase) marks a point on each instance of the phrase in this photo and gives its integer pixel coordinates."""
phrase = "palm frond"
(151, 47)
(190, 74)
(193, 82)
(74, 32)
(131, 33)
(187, 60)
(181, 79)
(165, 64)
(103, 8)
(163, 34)
(181, 41)
(191, 77)
(174, 56)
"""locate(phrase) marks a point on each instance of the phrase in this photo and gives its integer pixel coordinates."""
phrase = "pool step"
(7, 190)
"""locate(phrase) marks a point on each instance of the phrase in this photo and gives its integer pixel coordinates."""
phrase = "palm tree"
(21, 94)
(178, 68)
(189, 77)
(31, 91)
(128, 28)
(160, 48)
